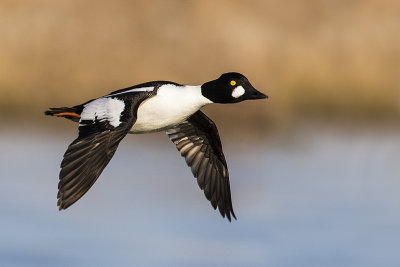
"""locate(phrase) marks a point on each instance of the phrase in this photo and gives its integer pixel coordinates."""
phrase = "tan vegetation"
(310, 57)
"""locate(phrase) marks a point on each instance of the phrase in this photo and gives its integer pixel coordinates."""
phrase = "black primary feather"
(84, 161)
(198, 141)
(88, 155)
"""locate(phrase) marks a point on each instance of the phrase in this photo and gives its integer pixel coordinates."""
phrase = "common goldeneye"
(152, 107)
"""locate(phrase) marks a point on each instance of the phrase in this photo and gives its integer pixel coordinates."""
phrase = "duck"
(153, 107)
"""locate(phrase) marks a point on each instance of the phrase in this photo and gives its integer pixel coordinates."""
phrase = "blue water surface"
(320, 196)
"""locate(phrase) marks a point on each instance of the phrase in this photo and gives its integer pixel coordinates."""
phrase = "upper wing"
(83, 162)
(198, 141)
(103, 124)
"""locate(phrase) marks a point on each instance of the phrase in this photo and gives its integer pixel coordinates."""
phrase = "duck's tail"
(73, 113)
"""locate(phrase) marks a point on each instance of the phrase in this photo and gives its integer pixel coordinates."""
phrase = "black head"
(231, 87)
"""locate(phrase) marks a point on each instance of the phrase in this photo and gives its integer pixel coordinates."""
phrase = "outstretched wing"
(103, 124)
(198, 141)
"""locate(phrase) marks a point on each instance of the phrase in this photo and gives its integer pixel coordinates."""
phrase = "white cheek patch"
(108, 109)
(238, 91)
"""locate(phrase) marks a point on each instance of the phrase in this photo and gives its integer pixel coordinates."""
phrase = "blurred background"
(314, 169)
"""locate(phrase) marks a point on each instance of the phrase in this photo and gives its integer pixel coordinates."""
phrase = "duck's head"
(231, 87)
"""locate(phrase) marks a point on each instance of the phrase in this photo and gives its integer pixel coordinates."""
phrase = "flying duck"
(153, 107)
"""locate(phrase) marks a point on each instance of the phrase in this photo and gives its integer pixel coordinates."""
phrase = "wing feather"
(84, 161)
(103, 123)
(198, 141)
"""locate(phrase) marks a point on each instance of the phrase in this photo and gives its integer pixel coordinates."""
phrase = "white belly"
(172, 105)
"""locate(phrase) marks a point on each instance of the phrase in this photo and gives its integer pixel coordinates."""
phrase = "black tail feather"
(65, 112)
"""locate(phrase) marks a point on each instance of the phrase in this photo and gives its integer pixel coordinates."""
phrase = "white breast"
(172, 105)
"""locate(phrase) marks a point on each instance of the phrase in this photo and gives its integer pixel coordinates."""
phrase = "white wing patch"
(105, 108)
(140, 89)
(238, 91)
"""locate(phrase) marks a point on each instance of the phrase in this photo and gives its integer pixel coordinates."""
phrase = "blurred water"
(321, 197)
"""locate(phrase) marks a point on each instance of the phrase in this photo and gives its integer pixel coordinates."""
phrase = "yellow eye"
(233, 83)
